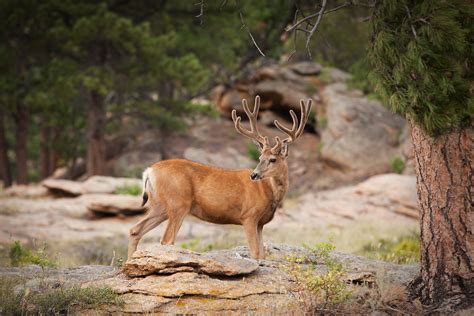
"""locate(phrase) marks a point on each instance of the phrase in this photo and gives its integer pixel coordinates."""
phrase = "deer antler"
(253, 133)
(297, 129)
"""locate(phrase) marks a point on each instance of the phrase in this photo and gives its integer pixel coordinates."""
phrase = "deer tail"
(146, 185)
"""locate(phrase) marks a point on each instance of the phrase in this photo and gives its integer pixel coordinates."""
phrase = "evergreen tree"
(421, 53)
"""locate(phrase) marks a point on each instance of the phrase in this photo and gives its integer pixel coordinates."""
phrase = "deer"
(175, 188)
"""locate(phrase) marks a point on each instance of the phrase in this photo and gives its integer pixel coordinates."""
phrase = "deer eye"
(272, 160)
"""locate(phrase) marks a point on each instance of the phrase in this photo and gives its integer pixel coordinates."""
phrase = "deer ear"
(259, 146)
(284, 149)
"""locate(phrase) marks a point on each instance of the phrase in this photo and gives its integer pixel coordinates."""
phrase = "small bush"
(253, 152)
(19, 255)
(129, 190)
(397, 164)
(402, 250)
(326, 284)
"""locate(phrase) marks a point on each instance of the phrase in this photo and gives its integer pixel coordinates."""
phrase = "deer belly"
(216, 215)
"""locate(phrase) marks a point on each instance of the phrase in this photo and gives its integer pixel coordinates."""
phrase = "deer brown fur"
(175, 188)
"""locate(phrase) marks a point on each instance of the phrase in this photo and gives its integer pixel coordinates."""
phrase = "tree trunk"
(45, 138)
(4, 162)
(21, 120)
(445, 175)
(95, 135)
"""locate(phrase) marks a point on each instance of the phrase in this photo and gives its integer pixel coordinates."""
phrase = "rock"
(226, 158)
(27, 191)
(168, 259)
(361, 135)
(95, 184)
(306, 68)
(133, 163)
(114, 204)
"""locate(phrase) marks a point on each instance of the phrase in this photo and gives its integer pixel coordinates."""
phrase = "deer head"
(272, 159)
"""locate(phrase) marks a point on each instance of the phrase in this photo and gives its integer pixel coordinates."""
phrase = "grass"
(403, 250)
(129, 190)
(16, 299)
(397, 164)
(252, 152)
(20, 255)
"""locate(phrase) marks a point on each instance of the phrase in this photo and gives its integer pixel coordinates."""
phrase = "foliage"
(405, 249)
(421, 54)
(129, 190)
(324, 282)
(19, 255)
(253, 152)
(397, 164)
(49, 301)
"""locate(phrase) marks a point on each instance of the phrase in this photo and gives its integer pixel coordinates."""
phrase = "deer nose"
(254, 176)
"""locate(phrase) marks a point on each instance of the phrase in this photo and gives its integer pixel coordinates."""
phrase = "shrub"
(325, 283)
(19, 255)
(253, 152)
(129, 190)
(397, 164)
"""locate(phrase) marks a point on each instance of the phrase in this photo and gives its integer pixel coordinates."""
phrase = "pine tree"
(421, 53)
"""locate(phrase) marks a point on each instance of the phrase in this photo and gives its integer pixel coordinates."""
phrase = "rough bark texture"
(4, 162)
(445, 175)
(21, 120)
(95, 135)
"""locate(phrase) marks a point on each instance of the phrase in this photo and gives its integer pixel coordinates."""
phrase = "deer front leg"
(261, 247)
(251, 232)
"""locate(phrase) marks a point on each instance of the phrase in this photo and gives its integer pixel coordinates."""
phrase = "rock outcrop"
(268, 289)
(94, 184)
(360, 135)
(114, 204)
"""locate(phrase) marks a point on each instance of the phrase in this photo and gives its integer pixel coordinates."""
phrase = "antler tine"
(253, 133)
(298, 127)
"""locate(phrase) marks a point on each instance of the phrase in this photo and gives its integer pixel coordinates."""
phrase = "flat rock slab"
(115, 204)
(95, 184)
(169, 259)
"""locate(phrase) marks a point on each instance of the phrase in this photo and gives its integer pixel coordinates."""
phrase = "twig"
(200, 16)
(315, 27)
(294, 36)
(244, 26)
(411, 24)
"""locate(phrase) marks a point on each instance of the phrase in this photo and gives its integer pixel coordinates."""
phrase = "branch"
(315, 27)
(200, 16)
(411, 24)
(244, 26)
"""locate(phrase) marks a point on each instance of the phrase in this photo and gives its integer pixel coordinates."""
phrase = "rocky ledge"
(172, 280)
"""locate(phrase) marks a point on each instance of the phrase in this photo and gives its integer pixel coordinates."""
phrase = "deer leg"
(150, 221)
(174, 224)
(260, 242)
(252, 237)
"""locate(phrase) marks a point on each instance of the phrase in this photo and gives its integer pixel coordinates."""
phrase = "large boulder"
(229, 158)
(114, 204)
(360, 135)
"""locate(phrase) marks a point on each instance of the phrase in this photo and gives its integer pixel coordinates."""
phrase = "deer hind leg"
(174, 224)
(154, 218)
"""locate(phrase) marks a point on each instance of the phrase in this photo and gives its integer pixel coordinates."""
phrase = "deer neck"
(279, 186)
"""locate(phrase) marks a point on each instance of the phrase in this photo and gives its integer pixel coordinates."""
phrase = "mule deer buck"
(175, 188)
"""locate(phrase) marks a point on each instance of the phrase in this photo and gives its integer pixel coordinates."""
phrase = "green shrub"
(405, 249)
(129, 190)
(253, 152)
(327, 286)
(19, 255)
(397, 164)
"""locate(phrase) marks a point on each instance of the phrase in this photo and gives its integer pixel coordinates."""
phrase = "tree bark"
(21, 120)
(45, 140)
(445, 178)
(95, 135)
(4, 162)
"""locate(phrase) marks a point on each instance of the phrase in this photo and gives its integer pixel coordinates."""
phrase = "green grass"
(129, 190)
(405, 249)
(397, 164)
(51, 301)
(20, 255)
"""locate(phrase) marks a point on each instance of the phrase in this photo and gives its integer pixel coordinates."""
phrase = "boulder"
(95, 184)
(306, 68)
(168, 259)
(228, 157)
(114, 204)
(361, 135)
(27, 191)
